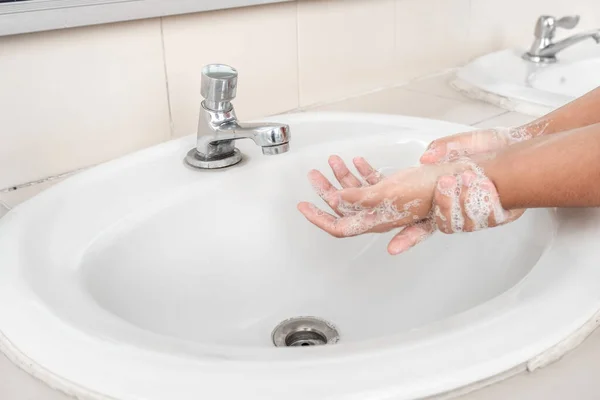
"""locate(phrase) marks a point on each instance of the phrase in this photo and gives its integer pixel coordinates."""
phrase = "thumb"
(435, 152)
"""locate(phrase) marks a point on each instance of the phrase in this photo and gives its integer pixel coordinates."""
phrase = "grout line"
(492, 117)
(464, 100)
(441, 96)
(164, 54)
(395, 32)
(298, 49)
(43, 180)
(4, 205)
(470, 27)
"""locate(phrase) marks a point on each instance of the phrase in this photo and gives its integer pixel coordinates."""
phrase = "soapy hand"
(451, 148)
(445, 193)
(482, 141)
(446, 199)
(376, 204)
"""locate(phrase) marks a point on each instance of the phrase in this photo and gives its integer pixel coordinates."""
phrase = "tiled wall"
(73, 98)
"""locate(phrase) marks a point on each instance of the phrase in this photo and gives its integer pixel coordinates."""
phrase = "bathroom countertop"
(571, 377)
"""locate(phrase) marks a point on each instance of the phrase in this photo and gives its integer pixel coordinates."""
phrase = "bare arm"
(581, 112)
(562, 170)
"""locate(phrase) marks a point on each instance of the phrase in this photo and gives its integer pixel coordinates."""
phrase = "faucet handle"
(218, 86)
(568, 22)
(546, 25)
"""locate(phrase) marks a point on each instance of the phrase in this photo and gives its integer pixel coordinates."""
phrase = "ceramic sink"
(145, 279)
(505, 79)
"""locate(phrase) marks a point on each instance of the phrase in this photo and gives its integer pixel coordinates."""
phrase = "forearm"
(581, 112)
(562, 170)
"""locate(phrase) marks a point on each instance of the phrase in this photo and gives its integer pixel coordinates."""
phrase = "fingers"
(440, 149)
(347, 179)
(470, 212)
(327, 191)
(339, 227)
(320, 184)
(314, 215)
(361, 210)
(468, 203)
(343, 174)
(498, 215)
(513, 215)
(323, 188)
(367, 172)
(360, 207)
(463, 144)
(411, 236)
(485, 193)
(446, 210)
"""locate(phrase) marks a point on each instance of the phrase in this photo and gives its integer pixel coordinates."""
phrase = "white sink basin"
(572, 80)
(144, 279)
(505, 79)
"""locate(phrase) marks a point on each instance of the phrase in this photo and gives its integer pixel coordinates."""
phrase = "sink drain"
(304, 331)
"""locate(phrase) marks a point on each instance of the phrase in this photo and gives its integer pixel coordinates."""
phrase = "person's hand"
(451, 148)
(481, 141)
(462, 201)
(379, 204)
(453, 212)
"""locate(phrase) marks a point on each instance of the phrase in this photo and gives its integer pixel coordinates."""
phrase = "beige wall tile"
(260, 42)
(345, 47)
(431, 35)
(73, 98)
(496, 25)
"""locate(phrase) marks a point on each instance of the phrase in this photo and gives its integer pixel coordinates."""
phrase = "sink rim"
(383, 363)
(509, 85)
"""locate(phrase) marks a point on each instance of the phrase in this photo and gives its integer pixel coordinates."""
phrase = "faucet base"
(539, 59)
(195, 160)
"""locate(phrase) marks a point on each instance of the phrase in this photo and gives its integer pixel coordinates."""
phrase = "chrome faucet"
(218, 127)
(544, 49)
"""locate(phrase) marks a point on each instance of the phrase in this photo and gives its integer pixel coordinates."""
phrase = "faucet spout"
(264, 135)
(544, 49)
(219, 128)
(553, 49)
(272, 138)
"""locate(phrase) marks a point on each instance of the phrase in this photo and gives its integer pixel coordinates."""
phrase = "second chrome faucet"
(218, 127)
(544, 48)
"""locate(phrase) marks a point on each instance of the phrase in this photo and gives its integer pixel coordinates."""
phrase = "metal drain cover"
(304, 331)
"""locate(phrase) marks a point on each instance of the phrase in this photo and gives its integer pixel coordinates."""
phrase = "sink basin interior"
(226, 262)
(573, 80)
(153, 269)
